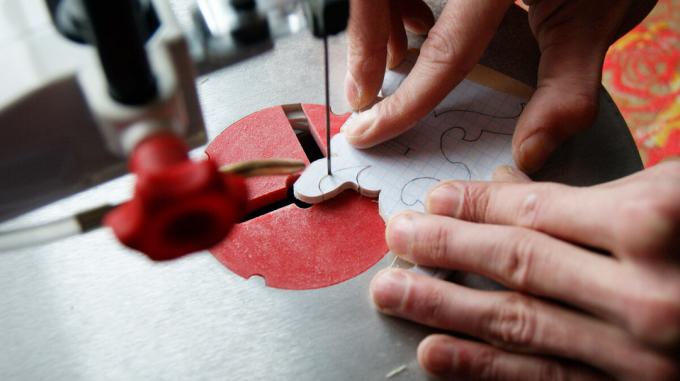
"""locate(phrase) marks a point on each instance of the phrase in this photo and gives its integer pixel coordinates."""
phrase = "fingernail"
(534, 151)
(388, 288)
(394, 61)
(446, 199)
(399, 233)
(437, 355)
(357, 130)
(352, 91)
(508, 173)
(502, 173)
(418, 26)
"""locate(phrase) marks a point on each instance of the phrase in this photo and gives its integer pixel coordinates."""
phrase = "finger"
(417, 16)
(622, 219)
(446, 356)
(581, 215)
(564, 103)
(514, 322)
(509, 174)
(631, 224)
(667, 170)
(451, 50)
(573, 41)
(398, 43)
(518, 258)
(368, 33)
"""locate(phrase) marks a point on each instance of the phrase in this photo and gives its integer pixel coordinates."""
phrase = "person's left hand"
(572, 313)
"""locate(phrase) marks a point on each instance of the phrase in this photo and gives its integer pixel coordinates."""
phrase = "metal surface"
(86, 308)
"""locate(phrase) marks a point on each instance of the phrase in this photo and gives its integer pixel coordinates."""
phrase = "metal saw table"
(87, 308)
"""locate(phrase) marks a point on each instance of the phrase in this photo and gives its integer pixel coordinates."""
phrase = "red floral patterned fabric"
(642, 73)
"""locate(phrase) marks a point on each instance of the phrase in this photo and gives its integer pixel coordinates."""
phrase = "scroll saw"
(130, 94)
(83, 308)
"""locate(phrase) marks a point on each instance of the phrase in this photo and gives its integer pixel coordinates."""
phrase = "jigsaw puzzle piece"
(315, 185)
(465, 138)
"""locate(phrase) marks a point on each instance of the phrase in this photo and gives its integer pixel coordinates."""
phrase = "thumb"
(452, 48)
(564, 103)
(573, 36)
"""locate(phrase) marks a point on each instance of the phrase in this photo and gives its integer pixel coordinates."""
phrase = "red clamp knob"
(179, 205)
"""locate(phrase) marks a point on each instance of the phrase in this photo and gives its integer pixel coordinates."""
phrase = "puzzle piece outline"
(359, 167)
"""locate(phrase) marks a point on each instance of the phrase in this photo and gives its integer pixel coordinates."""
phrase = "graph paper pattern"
(466, 137)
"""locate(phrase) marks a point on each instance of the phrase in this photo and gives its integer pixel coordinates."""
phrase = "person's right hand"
(571, 312)
(573, 36)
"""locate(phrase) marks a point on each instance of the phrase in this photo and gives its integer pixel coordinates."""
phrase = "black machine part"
(119, 30)
(71, 21)
(327, 17)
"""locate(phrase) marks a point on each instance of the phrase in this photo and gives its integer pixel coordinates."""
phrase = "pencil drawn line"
(465, 138)
(398, 143)
(356, 179)
(363, 167)
(403, 189)
(521, 109)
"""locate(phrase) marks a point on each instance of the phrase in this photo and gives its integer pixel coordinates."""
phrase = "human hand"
(571, 312)
(573, 36)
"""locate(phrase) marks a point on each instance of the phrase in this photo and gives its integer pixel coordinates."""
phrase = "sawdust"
(396, 371)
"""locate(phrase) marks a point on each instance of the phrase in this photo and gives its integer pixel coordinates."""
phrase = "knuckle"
(441, 51)
(390, 107)
(656, 319)
(475, 203)
(551, 371)
(366, 58)
(435, 245)
(649, 223)
(512, 323)
(530, 210)
(427, 305)
(483, 366)
(439, 47)
(517, 260)
(431, 305)
(362, 50)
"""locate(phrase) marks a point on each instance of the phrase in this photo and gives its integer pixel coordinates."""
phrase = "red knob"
(179, 205)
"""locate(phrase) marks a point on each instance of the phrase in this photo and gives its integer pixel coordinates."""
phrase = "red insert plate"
(263, 135)
(292, 247)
